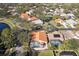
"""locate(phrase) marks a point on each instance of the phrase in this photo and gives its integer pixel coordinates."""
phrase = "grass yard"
(46, 53)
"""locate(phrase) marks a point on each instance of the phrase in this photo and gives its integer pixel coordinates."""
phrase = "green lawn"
(46, 53)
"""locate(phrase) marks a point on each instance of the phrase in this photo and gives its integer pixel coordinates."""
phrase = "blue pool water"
(55, 42)
(3, 26)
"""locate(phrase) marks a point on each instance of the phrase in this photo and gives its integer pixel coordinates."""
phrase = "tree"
(6, 40)
(22, 37)
(69, 45)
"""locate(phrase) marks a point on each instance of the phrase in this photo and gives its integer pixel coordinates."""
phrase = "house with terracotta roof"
(24, 15)
(33, 19)
(38, 22)
(55, 38)
(39, 40)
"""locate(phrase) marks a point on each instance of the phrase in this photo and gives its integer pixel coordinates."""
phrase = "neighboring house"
(66, 23)
(50, 12)
(77, 33)
(57, 11)
(55, 38)
(71, 22)
(24, 15)
(31, 11)
(63, 15)
(68, 35)
(61, 10)
(70, 15)
(33, 19)
(39, 40)
(38, 22)
(59, 21)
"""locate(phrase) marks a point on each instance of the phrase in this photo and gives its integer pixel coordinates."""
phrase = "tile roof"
(24, 15)
(55, 36)
(39, 36)
(33, 18)
(27, 16)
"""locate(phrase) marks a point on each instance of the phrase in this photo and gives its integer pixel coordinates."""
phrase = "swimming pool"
(3, 26)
